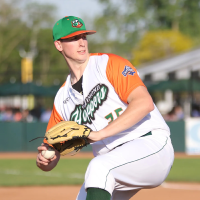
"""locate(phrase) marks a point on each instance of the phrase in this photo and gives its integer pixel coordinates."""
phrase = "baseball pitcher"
(104, 103)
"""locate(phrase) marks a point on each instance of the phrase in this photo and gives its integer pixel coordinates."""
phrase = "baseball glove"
(68, 137)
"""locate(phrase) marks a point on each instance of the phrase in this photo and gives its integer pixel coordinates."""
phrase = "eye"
(76, 38)
(84, 37)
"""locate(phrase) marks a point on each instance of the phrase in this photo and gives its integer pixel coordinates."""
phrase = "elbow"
(150, 106)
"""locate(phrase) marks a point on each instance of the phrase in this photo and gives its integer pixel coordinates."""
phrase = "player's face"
(75, 48)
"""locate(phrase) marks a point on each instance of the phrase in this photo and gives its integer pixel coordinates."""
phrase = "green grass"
(25, 172)
(185, 170)
(14, 172)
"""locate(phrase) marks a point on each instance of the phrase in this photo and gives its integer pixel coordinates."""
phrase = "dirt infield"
(172, 191)
(27, 155)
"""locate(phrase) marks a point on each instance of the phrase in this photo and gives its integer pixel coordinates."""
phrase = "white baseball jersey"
(140, 162)
(107, 82)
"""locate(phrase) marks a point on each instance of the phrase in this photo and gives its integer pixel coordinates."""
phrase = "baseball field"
(20, 179)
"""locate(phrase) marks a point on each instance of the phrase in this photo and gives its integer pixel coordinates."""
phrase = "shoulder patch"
(128, 71)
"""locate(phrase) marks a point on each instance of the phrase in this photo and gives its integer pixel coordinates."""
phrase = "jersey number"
(110, 115)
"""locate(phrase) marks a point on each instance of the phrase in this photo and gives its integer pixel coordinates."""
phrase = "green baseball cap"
(69, 26)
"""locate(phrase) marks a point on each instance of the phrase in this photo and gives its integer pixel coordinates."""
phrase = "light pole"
(27, 65)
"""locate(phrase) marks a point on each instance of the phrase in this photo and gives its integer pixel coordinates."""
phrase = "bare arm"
(140, 104)
(46, 164)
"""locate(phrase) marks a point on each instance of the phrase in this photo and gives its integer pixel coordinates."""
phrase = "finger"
(57, 156)
(45, 144)
(39, 163)
(41, 148)
(90, 141)
(42, 160)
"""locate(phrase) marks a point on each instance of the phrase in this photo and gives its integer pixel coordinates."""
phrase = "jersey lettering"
(83, 114)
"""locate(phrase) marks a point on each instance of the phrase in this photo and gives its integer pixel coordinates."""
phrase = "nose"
(81, 42)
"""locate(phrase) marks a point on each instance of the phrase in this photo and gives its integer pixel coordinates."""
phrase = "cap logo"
(76, 23)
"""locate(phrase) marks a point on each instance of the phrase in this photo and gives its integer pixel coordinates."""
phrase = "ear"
(58, 45)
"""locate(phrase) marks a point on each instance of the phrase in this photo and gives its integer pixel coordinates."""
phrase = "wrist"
(96, 136)
(102, 134)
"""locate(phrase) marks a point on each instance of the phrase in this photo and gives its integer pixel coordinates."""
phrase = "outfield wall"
(15, 136)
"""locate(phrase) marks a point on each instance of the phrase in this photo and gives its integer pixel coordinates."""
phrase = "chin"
(83, 59)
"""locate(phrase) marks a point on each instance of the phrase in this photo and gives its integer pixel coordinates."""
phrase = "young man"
(130, 140)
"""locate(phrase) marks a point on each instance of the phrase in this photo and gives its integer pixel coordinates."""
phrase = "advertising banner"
(192, 136)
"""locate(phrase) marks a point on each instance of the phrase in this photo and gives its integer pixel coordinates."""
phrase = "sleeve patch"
(128, 71)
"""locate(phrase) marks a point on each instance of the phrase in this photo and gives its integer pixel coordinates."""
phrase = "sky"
(79, 8)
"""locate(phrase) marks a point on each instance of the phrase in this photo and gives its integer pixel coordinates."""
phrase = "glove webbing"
(77, 148)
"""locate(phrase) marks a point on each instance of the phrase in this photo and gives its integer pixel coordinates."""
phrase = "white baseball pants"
(139, 164)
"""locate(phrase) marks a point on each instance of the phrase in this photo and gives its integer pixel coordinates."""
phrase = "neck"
(76, 69)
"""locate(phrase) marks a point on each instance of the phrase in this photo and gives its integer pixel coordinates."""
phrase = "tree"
(182, 15)
(13, 32)
(25, 29)
(47, 61)
(124, 24)
(119, 26)
(160, 44)
(189, 22)
(49, 65)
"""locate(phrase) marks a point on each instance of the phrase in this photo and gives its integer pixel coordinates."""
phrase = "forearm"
(131, 116)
